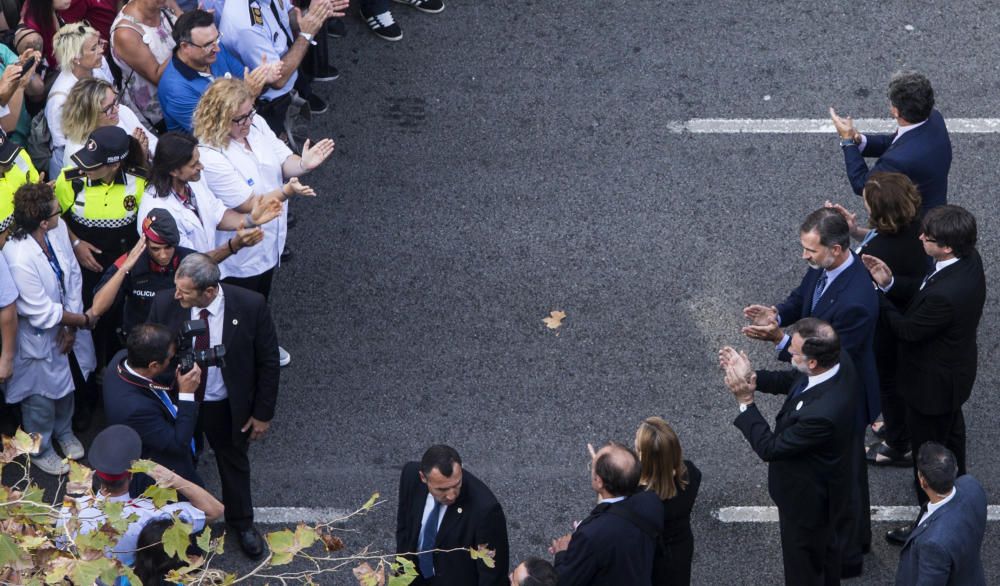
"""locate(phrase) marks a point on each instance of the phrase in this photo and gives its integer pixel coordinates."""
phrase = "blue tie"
(170, 407)
(820, 285)
(426, 560)
(798, 387)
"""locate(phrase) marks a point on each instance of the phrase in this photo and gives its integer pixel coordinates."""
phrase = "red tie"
(202, 343)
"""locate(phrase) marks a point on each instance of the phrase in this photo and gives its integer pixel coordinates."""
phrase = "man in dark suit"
(838, 290)
(944, 547)
(237, 399)
(615, 545)
(919, 149)
(132, 397)
(938, 354)
(810, 450)
(443, 506)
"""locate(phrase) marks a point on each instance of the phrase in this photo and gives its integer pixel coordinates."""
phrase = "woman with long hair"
(92, 103)
(244, 160)
(676, 481)
(142, 45)
(40, 20)
(52, 326)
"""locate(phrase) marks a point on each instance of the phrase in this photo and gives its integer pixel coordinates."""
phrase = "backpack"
(39, 143)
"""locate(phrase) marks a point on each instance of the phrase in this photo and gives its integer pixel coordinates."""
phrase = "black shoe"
(316, 104)
(382, 25)
(251, 543)
(899, 535)
(336, 29)
(428, 6)
(286, 254)
(328, 73)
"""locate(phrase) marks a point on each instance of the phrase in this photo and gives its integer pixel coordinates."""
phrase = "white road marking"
(879, 514)
(283, 515)
(817, 125)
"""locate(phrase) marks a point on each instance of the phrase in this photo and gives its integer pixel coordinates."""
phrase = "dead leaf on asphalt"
(555, 319)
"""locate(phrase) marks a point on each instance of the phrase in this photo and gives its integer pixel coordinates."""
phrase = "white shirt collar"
(832, 274)
(931, 507)
(613, 499)
(945, 263)
(904, 129)
(822, 378)
(129, 368)
(215, 306)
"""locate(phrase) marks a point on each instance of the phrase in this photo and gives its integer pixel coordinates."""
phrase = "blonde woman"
(676, 481)
(244, 161)
(93, 103)
(79, 50)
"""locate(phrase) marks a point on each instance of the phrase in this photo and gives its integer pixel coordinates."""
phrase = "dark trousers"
(216, 421)
(896, 435)
(373, 7)
(947, 429)
(809, 554)
(260, 283)
(854, 531)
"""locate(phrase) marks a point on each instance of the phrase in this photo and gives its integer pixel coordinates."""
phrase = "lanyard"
(868, 238)
(50, 255)
(288, 37)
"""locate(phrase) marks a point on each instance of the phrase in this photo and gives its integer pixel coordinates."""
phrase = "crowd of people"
(145, 175)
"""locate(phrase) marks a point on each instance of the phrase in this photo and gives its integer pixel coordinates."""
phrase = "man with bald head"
(615, 545)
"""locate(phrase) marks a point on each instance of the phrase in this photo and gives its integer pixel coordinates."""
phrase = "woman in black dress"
(893, 205)
(676, 481)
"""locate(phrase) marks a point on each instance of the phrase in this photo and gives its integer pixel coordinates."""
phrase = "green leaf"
(176, 539)
(9, 552)
(112, 571)
(160, 496)
(30, 542)
(282, 544)
(484, 554)
(82, 572)
(142, 467)
(402, 580)
(204, 541)
(370, 502)
(229, 579)
(81, 479)
(26, 443)
(305, 536)
(95, 541)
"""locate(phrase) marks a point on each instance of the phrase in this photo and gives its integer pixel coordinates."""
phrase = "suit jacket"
(609, 550)
(938, 354)
(251, 371)
(944, 549)
(809, 451)
(922, 154)
(474, 519)
(166, 440)
(849, 304)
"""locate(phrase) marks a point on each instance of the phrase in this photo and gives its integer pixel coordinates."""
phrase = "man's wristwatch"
(307, 37)
(847, 142)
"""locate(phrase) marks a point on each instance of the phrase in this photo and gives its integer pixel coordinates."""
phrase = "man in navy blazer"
(132, 397)
(944, 546)
(919, 149)
(837, 289)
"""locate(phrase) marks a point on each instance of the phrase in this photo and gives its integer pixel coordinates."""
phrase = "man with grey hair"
(920, 148)
(238, 397)
(944, 547)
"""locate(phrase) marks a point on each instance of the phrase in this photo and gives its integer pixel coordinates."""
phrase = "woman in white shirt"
(93, 103)
(50, 311)
(176, 185)
(244, 160)
(79, 49)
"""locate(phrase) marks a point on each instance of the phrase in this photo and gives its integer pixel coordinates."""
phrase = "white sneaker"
(284, 358)
(51, 464)
(71, 447)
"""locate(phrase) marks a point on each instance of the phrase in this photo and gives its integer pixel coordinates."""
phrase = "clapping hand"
(298, 188)
(763, 323)
(739, 374)
(845, 126)
(560, 544)
(880, 271)
(265, 209)
(248, 236)
(314, 155)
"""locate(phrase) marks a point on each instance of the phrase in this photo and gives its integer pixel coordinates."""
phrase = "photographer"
(239, 396)
(133, 397)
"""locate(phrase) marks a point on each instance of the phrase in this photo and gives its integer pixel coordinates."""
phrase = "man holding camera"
(237, 397)
(133, 397)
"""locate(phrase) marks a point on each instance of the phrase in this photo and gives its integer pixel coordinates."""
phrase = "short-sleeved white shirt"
(57, 97)
(197, 231)
(235, 173)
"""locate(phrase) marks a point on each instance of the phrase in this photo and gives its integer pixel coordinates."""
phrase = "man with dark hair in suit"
(443, 506)
(810, 452)
(615, 545)
(938, 355)
(920, 148)
(944, 547)
(837, 289)
(132, 397)
(534, 572)
(237, 399)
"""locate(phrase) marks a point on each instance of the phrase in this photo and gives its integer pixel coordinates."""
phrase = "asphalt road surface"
(510, 158)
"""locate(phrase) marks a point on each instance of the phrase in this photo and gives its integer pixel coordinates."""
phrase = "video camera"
(187, 355)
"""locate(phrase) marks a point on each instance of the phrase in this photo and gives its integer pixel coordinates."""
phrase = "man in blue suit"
(837, 289)
(944, 546)
(919, 149)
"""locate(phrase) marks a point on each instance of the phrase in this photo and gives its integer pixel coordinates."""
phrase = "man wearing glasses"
(199, 59)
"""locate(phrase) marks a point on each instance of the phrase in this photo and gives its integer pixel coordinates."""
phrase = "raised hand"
(299, 189)
(760, 315)
(852, 219)
(265, 209)
(845, 126)
(133, 255)
(314, 155)
(881, 273)
(729, 358)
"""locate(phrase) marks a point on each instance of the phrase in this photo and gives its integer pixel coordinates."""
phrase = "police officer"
(99, 199)
(134, 278)
(16, 169)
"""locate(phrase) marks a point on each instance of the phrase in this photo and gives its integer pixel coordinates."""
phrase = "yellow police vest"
(100, 205)
(21, 172)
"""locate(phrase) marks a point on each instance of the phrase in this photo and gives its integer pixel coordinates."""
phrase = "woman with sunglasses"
(93, 103)
(244, 161)
(80, 52)
(52, 326)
